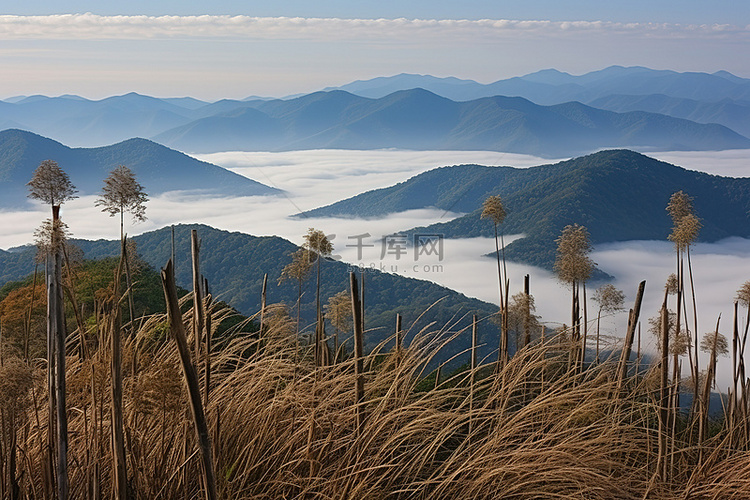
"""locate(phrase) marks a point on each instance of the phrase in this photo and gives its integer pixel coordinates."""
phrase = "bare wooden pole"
(119, 466)
(664, 392)
(630, 335)
(51, 405)
(362, 299)
(358, 351)
(502, 353)
(27, 324)
(263, 305)
(57, 430)
(399, 339)
(527, 312)
(585, 327)
(207, 348)
(129, 283)
(62, 414)
(173, 249)
(473, 363)
(70, 292)
(177, 330)
(197, 294)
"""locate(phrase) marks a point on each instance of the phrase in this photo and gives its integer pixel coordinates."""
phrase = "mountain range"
(157, 168)
(418, 119)
(551, 86)
(548, 113)
(618, 195)
(235, 263)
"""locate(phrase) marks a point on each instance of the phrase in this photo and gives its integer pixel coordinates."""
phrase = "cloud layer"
(93, 26)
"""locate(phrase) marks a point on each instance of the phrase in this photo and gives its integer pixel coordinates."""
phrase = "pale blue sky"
(165, 48)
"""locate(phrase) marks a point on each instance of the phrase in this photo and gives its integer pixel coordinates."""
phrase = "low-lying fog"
(314, 178)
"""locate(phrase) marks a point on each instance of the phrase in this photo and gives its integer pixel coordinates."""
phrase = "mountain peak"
(158, 167)
(549, 76)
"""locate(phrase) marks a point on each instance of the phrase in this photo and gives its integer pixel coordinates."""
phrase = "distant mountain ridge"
(551, 86)
(419, 119)
(733, 114)
(291, 124)
(158, 168)
(618, 195)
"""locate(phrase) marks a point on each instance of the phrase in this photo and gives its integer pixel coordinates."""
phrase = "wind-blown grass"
(282, 428)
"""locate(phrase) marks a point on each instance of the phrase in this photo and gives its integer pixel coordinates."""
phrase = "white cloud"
(729, 163)
(92, 26)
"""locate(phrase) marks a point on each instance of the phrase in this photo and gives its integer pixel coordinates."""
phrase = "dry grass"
(288, 430)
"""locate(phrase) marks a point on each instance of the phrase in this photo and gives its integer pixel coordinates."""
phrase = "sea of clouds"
(310, 179)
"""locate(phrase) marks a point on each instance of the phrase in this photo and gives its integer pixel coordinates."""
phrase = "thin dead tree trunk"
(585, 328)
(191, 379)
(358, 353)
(69, 290)
(197, 295)
(598, 323)
(128, 276)
(629, 336)
(527, 312)
(473, 367)
(207, 346)
(695, 318)
(706, 396)
(503, 347)
(27, 325)
(119, 465)
(362, 299)
(399, 339)
(263, 305)
(664, 392)
(51, 399)
(62, 415)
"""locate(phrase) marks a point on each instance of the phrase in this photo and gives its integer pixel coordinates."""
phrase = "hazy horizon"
(235, 50)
